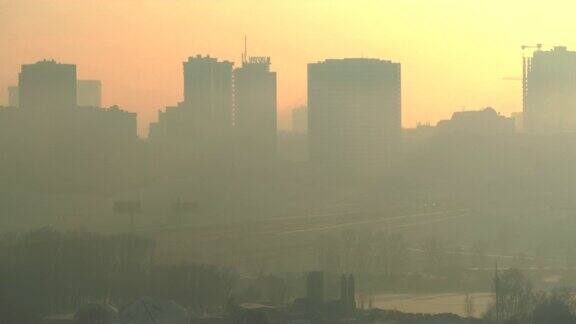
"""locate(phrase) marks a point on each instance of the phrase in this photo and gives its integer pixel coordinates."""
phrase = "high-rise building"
(354, 110)
(13, 97)
(549, 91)
(208, 95)
(50, 140)
(300, 120)
(348, 292)
(315, 288)
(89, 93)
(196, 134)
(255, 109)
(208, 89)
(47, 86)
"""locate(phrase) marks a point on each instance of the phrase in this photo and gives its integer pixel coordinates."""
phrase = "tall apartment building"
(89, 93)
(255, 109)
(47, 86)
(549, 91)
(208, 90)
(354, 112)
(49, 137)
(208, 95)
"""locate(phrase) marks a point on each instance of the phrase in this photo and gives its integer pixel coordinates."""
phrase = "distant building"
(198, 131)
(354, 110)
(413, 139)
(255, 109)
(478, 122)
(518, 121)
(550, 91)
(47, 86)
(208, 95)
(49, 139)
(13, 100)
(207, 107)
(174, 123)
(89, 93)
(315, 287)
(174, 140)
(348, 292)
(300, 120)
(315, 306)
(208, 91)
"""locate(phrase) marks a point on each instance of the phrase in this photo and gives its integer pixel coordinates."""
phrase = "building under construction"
(549, 90)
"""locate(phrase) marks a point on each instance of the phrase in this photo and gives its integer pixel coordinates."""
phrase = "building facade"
(550, 91)
(197, 132)
(13, 100)
(208, 91)
(49, 139)
(208, 94)
(47, 86)
(354, 112)
(255, 109)
(89, 93)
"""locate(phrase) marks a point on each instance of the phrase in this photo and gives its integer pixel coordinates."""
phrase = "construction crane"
(525, 62)
(537, 47)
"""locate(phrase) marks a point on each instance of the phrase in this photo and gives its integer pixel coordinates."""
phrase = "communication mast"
(245, 54)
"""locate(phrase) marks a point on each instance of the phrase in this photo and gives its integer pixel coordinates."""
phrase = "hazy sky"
(454, 53)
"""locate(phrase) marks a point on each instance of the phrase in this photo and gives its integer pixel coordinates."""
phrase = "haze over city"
(455, 54)
(287, 162)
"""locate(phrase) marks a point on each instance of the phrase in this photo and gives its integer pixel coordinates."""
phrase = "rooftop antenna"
(245, 55)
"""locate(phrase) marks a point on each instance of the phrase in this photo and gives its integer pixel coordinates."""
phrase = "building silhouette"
(348, 292)
(174, 123)
(550, 91)
(208, 93)
(174, 141)
(300, 120)
(315, 288)
(255, 110)
(89, 93)
(47, 86)
(207, 107)
(13, 100)
(196, 132)
(48, 139)
(354, 110)
(486, 121)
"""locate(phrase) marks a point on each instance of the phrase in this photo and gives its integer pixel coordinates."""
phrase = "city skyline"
(152, 38)
(287, 161)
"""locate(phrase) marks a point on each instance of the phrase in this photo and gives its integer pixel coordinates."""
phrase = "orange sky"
(454, 54)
